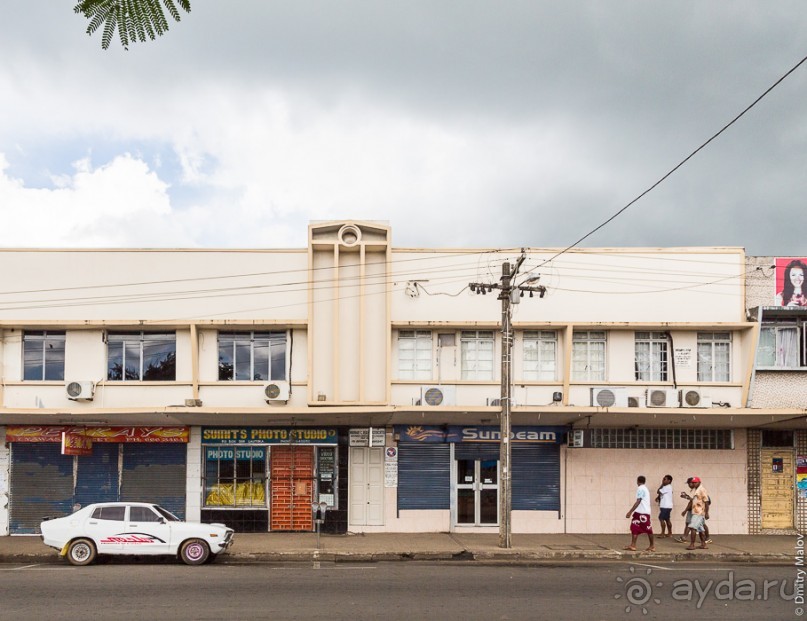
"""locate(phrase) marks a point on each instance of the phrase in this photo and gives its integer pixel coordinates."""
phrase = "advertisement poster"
(790, 289)
(801, 475)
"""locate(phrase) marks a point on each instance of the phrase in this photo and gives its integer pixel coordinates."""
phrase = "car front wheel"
(81, 552)
(194, 552)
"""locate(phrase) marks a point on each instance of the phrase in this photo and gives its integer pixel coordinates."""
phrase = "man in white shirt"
(639, 515)
(664, 498)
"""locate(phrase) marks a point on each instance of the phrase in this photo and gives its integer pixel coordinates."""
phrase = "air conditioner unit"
(80, 391)
(497, 402)
(276, 391)
(432, 396)
(695, 398)
(609, 397)
(575, 438)
(662, 398)
(635, 402)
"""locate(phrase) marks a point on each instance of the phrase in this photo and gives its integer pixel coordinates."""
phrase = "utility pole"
(510, 294)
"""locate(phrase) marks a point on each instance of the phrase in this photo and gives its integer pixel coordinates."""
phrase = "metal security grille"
(41, 485)
(155, 473)
(662, 438)
(424, 476)
(97, 475)
(536, 477)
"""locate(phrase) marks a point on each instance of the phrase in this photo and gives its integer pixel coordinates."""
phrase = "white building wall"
(601, 486)
(193, 489)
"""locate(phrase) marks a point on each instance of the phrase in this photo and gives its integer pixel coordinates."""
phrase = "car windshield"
(166, 514)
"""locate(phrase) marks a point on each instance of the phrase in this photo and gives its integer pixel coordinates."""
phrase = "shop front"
(55, 470)
(259, 479)
(457, 468)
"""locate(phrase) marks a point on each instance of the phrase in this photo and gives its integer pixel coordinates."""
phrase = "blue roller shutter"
(484, 451)
(536, 477)
(97, 475)
(41, 485)
(424, 476)
(155, 473)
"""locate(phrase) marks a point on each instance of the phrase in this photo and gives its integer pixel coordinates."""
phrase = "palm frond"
(134, 19)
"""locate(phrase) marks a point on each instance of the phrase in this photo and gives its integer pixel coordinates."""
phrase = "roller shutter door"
(484, 451)
(155, 473)
(41, 485)
(97, 475)
(536, 477)
(424, 476)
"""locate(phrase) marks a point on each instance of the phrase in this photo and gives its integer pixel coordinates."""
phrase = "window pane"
(115, 361)
(260, 360)
(278, 342)
(54, 359)
(766, 352)
(225, 359)
(159, 360)
(243, 369)
(32, 360)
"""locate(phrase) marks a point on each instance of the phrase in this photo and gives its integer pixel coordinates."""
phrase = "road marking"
(35, 568)
(688, 568)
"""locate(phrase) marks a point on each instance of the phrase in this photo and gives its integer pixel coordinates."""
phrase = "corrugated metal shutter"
(41, 485)
(97, 475)
(155, 473)
(424, 476)
(484, 451)
(536, 477)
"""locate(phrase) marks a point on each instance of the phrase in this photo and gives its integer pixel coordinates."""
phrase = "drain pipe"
(672, 358)
(752, 382)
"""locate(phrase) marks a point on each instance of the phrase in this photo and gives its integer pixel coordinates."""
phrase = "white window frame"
(477, 354)
(141, 339)
(418, 366)
(651, 361)
(710, 367)
(37, 344)
(273, 340)
(589, 347)
(540, 352)
(800, 329)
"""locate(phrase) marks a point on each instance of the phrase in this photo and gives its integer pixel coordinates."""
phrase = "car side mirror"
(161, 520)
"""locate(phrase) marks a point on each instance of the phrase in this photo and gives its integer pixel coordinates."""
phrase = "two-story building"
(240, 386)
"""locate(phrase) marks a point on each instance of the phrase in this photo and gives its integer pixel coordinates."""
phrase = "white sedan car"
(133, 528)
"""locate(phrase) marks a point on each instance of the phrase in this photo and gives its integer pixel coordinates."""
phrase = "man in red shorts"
(639, 515)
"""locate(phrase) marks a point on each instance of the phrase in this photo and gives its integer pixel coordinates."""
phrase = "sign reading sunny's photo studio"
(268, 435)
(790, 286)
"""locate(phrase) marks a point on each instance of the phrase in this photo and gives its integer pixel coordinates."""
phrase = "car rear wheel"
(81, 552)
(194, 552)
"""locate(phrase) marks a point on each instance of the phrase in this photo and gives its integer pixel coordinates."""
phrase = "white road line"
(688, 568)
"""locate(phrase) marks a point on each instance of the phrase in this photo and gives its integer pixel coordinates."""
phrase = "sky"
(461, 123)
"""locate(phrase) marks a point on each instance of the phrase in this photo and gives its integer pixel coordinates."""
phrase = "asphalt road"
(399, 590)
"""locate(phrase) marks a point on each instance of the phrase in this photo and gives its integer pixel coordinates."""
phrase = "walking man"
(639, 515)
(664, 498)
(700, 513)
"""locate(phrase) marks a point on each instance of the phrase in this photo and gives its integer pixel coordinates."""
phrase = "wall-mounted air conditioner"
(433, 396)
(662, 398)
(80, 391)
(636, 402)
(609, 397)
(497, 402)
(575, 438)
(275, 392)
(695, 398)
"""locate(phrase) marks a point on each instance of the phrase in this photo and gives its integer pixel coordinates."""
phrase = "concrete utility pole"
(510, 293)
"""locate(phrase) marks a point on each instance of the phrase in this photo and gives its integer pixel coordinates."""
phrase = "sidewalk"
(290, 547)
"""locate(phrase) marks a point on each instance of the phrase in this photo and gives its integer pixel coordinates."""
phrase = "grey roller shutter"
(155, 473)
(484, 451)
(536, 477)
(41, 485)
(424, 476)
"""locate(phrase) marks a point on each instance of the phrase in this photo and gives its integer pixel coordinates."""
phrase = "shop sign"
(268, 435)
(226, 453)
(53, 433)
(367, 436)
(76, 443)
(457, 433)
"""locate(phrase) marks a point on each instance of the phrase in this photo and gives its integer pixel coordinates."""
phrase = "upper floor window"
(588, 356)
(782, 345)
(714, 356)
(540, 355)
(43, 355)
(415, 354)
(252, 356)
(651, 357)
(477, 354)
(147, 356)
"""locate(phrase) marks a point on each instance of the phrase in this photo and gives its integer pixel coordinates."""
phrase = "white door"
(366, 497)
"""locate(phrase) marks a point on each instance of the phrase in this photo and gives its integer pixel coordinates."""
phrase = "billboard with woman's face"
(790, 285)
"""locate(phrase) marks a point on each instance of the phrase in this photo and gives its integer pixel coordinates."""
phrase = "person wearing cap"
(686, 514)
(700, 513)
(639, 515)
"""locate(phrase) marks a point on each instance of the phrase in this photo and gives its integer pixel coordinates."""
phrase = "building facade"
(241, 386)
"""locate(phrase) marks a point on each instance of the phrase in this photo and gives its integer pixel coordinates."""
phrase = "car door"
(146, 531)
(107, 528)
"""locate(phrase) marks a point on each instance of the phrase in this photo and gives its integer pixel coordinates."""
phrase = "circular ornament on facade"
(349, 235)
